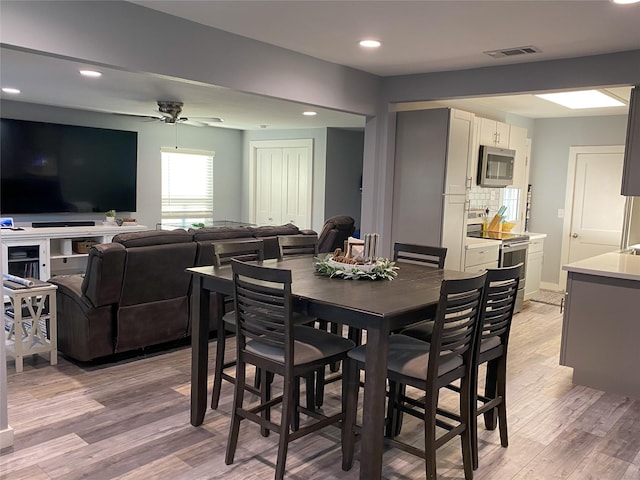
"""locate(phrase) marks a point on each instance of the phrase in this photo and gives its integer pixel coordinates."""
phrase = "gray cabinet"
(431, 181)
(631, 172)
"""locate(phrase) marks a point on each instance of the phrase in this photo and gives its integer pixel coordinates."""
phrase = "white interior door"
(269, 163)
(281, 180)
(596, 207)
(297, 180)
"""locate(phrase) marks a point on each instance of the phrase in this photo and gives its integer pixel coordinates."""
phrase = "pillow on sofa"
(219, 233)
(153, 237)
(275, 230)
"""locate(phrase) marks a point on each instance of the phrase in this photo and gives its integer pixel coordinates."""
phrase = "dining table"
(378, 307)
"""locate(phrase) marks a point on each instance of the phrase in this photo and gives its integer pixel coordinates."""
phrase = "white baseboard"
(554, 287)
(6, 437)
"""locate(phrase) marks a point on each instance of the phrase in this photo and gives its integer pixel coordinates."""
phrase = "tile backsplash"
(480, 197)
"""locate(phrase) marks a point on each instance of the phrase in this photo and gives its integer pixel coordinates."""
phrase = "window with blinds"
(187, 187)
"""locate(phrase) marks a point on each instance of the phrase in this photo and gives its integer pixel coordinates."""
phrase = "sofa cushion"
(275, 230)
(219, 233)
(103, 279)
(153, 237)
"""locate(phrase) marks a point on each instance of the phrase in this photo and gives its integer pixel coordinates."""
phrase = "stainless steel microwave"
(495, 166)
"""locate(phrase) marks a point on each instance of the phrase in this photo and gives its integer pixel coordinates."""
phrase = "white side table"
(26, 335)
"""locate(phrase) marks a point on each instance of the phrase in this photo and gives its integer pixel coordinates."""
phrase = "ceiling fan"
(169, 113)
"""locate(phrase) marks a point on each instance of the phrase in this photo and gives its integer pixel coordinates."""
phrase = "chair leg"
(319, 396)
(350, 385)
(473, 417)
(465, 437)
(336, 329)
(288, 407)
(265, 396)
(234, 428)
(490, 419)
(219, 367)
(430, 436)
(502, 408)
(394, 414)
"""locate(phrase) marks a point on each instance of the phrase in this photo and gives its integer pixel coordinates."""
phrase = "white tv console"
(38, 252)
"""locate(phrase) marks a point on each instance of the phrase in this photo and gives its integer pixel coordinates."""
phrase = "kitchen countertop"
(613, 265)
(472, 242)
(536, 236)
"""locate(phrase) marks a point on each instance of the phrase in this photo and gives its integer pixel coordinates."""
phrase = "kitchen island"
(601, 324)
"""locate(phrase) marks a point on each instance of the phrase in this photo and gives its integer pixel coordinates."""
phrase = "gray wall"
(344, 173)
(548, 174)
(227, 170)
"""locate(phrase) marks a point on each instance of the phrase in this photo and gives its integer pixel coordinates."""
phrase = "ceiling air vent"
(510, 52)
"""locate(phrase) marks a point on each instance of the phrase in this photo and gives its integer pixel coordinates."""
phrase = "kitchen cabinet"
(431, 182)
(600, 327)
(533, 274)
(479, 259)
(494, 133)
(631, 169)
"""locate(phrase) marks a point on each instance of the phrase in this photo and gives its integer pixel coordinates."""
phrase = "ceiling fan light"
(90, 73)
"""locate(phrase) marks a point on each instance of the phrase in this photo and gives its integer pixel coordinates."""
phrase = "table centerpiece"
(338, 265)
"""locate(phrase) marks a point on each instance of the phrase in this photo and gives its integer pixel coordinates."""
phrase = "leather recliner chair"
(334, 233)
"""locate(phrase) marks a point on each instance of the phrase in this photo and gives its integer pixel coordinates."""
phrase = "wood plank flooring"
(130, 420)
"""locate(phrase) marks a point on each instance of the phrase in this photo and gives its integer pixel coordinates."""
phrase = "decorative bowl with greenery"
(381, 269)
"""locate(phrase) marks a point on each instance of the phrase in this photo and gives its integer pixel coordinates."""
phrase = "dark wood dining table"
(378, 307)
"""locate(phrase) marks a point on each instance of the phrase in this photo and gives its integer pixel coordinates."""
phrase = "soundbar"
(77, 223)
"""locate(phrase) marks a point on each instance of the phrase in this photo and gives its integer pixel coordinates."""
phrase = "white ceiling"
(417, 36)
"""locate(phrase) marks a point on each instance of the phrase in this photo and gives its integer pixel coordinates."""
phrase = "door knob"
(575, 235)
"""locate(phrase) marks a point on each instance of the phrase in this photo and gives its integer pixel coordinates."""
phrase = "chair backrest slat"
(420, 254)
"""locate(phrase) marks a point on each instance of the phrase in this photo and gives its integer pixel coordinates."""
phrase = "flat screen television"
(54, 168)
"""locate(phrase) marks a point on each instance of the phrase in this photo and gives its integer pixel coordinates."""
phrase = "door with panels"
(281, 180)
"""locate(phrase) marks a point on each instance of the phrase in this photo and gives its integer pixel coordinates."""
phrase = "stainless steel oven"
(512, 253)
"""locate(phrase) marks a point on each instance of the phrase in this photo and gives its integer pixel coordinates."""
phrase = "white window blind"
(187, 187)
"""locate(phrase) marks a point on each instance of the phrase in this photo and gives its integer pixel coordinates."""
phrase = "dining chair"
(421, 254)
(427, 367)
(268, 338)
(290, 245)
(297, 245)
(501, 289)
(223, 252)
(427, 255)
(490, 347)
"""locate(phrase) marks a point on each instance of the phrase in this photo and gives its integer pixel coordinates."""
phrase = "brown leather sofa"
(135, 291)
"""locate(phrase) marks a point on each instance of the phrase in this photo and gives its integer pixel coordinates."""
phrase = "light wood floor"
(130, 420)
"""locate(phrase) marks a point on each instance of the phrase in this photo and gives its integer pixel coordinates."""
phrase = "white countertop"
(613, 265)
(473, 242)
(536, 236)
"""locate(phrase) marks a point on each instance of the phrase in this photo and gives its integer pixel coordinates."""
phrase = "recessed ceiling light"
(13, 91)
(309, 113)
(370, 43)
(90, 73)
(625, 2)
(582, 99)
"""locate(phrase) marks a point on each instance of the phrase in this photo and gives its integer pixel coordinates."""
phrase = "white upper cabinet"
(494, 133)
(458, 181)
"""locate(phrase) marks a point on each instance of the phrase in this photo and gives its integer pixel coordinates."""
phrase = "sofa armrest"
(308, 232)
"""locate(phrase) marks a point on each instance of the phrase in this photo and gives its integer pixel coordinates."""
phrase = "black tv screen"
(53, 168)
